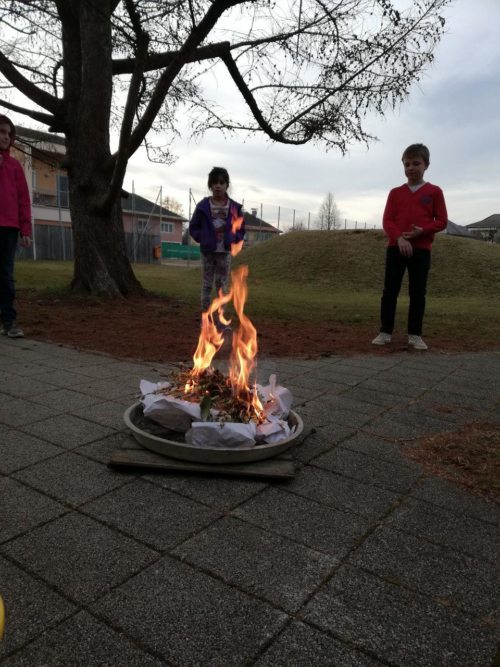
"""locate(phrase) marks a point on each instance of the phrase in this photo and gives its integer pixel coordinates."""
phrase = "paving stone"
(399, 626)
(258, 562)
(102, 450)
(336, 375)
(66, 399)
(222, 493)
(71, 479)
(18, 450)
(344, 402)
(109, 413)
(450, 497)
(83, 640)
(23, 509)
(151, 514)
(189, 618)
(340, 492)
(322, 386)
(300, 644)
(67, 431)
(440, 526)
(395, 476)
(30, 608)
(59, 377)
(372, 445)
(322, 413)
(433, 570)
(361, 393)
(397, 389)
(79, 556)
(23, 387)
(319, 440)
(304, 521)
(403, 425)
(21, 412)
(108, 389)
(447, 407)
(303, 394)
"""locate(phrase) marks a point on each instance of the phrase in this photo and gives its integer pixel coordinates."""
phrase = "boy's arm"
(440, 214)
(390, 227)
(23, 203)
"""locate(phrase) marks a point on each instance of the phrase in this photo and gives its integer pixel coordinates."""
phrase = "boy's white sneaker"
(382, 339)
(417, 342)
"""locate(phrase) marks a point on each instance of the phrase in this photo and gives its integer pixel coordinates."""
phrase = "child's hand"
(416, 231)
(405, 247)
(25, 241)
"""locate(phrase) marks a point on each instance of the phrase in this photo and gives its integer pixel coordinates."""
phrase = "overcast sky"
(455, 111)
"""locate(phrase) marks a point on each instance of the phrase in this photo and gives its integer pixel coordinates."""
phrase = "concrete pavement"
(362, 559)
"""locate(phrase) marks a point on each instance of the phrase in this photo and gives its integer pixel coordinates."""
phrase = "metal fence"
(55, 242)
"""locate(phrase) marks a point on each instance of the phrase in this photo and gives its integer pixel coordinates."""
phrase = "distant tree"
(300, 71)
(328, 214)
(298, 226)
(173, 205)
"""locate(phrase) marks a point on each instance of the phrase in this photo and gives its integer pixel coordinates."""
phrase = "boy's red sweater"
(423, 208)
(15, 207)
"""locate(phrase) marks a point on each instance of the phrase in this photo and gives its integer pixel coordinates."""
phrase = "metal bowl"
(155, 437)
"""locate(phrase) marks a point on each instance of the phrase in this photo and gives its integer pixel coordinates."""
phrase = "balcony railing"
(52, 199)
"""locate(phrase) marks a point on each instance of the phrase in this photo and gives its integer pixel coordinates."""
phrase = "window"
(142, 225)
(167, 227)
(62, 191)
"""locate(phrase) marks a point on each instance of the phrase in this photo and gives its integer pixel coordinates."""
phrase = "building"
(487, 229)
(146, 224)
(257, 230)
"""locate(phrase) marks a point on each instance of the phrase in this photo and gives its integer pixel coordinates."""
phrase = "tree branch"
(32, 92)
(36, 115)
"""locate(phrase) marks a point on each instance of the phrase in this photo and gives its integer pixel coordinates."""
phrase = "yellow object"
(2, 618)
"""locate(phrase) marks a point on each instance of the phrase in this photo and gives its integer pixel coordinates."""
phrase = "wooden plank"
(132, 455)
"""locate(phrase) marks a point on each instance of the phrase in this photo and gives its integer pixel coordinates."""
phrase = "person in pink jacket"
(15, 224)
(414, 212)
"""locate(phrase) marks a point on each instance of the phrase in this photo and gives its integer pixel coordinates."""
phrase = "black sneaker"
(11, 330)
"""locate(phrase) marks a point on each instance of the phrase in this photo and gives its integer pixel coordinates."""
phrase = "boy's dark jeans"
(418, 266)
(8, 245)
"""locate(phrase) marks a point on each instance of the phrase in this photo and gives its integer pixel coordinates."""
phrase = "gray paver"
(304, 521)
(258, 562)
(134, 510)
(30, 607)
(67, 431)
(466, 582)
(23, 509)
(190, 618)
(79, 556)
(395, 476)
(440, 526)
(18, 450)
(300, 644)
(398, 625)
(358, 560)
(71, 478)
(336, 491)
(83, 640)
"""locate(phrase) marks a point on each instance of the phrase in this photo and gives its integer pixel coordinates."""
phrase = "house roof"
(457, 230)
(38, 135)
(253, 222)
(491, 222)
(134, 203)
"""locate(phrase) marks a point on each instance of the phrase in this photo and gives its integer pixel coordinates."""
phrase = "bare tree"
(173, 205)
(328, 214)
(300, 70)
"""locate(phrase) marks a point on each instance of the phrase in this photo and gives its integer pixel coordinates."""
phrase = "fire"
(235, 226)
(244, 350)
(245, 347)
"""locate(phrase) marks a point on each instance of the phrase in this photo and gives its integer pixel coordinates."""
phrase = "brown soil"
(159, 329)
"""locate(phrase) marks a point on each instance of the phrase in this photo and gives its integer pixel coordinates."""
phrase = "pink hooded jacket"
(15, 206)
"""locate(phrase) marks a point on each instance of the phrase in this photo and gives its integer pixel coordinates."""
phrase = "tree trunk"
(101, 264)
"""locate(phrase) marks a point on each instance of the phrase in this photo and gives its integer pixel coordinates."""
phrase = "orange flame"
(245, 346)
(236, 226)
(210, 340)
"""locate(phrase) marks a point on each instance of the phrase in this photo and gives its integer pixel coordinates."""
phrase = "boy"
(211, 227)
(15, 222)
(413, 214)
